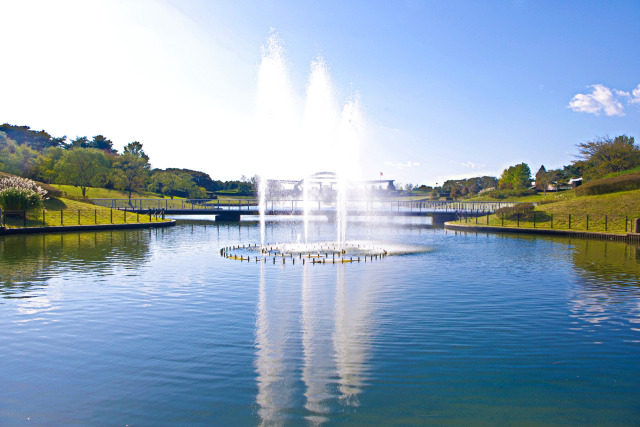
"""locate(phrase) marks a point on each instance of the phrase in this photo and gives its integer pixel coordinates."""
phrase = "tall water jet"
(324, 138)
(277, 117)
(348, 136)
(319, 125)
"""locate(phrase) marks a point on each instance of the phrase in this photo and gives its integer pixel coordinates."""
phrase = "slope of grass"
(624, 182)
(104, 193)
(611, 213)
(68, 212)
(537, 198)
(614, 174)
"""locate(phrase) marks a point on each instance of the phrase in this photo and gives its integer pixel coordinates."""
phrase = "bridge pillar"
(442, 217)
(228, 217)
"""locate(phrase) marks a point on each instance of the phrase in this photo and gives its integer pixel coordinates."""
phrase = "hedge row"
(610, 185)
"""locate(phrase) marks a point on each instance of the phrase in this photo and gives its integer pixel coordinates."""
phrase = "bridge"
(234, 209)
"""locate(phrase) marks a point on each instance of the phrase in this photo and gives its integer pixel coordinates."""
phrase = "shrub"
(51, 190)
(20, 194)
(610, 185)
(510, 212)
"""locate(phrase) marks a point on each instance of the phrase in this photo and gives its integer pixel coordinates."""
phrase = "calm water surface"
(153, 327)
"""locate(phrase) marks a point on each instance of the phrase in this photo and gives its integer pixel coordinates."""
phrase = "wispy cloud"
(408, 164)
(600, 100)
(468, 164)
(635, 95)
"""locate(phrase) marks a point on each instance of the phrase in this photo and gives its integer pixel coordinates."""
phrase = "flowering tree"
(20, 194)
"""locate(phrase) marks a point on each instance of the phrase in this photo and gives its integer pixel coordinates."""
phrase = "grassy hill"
(62, 211)
(104, 193)
(612, 213)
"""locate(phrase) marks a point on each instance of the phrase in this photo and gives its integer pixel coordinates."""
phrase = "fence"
(69, 217)
(298, 204)
(543, 220)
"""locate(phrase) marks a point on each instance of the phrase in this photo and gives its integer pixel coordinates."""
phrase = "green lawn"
(611, 213)
(67, 212)
(103, 193)
(549, 197)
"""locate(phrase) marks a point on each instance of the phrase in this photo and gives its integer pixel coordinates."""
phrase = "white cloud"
(635, 95)
(408, 164)
(472, 165)
(601, 99)
(468, 164)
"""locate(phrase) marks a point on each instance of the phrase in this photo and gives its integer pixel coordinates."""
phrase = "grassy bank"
(612, 213)
(70, 191)
(65, 212)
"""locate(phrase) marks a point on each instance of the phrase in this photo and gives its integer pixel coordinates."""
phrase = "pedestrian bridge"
(234, 209)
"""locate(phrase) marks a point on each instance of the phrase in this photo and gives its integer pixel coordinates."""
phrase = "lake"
(154, 327)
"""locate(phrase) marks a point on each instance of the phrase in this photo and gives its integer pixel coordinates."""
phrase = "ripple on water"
(464, 329)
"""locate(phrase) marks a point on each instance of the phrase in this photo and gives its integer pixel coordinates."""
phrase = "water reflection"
(335, 328)
(274, 376)
(28, 261)
(351, 336)
(318, 369)
(609, 275)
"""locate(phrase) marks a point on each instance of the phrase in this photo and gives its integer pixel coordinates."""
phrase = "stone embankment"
(627, 237)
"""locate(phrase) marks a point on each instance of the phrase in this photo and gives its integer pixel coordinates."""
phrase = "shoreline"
(628, 237)
(90, 227)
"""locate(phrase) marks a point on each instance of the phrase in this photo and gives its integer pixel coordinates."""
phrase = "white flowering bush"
(20, 194)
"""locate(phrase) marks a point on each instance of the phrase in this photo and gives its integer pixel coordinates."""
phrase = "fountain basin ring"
(314, 253)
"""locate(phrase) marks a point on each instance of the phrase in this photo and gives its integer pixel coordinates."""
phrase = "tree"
(17, 159)
(135, 148)
(170, 182)
(603, 156)
(543, 179)
(83, 167)
(78, 142)
(517, 177)
(131, 168)
(45, 169)
(455, 193)
(102, 143)
(36, 140)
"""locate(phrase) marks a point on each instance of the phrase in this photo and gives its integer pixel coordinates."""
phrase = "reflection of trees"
(29, 259)
(610, 281)
(607, 263)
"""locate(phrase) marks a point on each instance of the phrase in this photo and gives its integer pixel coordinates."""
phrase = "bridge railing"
(178, 204)
(296, 206)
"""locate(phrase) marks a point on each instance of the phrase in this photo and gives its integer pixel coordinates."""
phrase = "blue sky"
(447, 89)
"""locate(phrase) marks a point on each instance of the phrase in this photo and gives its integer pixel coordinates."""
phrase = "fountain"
(322, 134)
